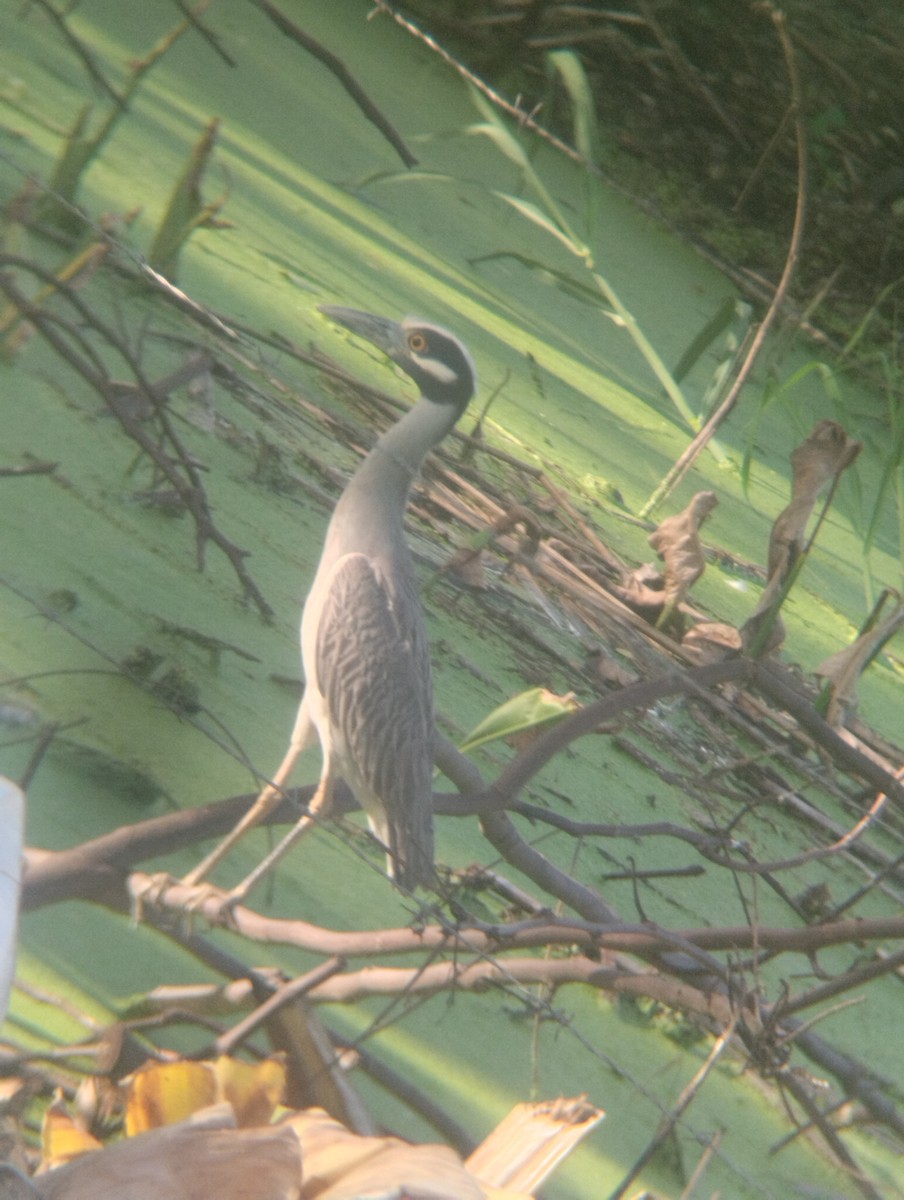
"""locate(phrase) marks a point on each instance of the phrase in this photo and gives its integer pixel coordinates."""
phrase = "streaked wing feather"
(373, 668)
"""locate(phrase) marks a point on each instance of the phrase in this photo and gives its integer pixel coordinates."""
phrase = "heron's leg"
(302, 736)
(319, 807)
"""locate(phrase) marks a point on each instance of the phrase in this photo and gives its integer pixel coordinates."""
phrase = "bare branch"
(645, 940)
(183, 473)
(342, 73)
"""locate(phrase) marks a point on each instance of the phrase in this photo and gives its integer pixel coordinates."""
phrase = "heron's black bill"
(381, 331)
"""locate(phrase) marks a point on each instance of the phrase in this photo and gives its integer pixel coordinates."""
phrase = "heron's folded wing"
(373, 668)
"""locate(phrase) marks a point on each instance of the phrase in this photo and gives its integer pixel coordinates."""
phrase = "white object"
(12, 820)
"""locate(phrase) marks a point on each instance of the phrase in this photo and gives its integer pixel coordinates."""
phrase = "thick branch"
(644, 940)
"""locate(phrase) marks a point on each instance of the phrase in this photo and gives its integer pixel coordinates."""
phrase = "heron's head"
(434, 358)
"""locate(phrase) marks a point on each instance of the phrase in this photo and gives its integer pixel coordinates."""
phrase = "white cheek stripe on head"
(437, 369)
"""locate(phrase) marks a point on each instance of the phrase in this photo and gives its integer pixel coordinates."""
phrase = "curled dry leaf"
(841, 671)
(817, 461)
(677, 542)
(308, 1156)
(711, 642)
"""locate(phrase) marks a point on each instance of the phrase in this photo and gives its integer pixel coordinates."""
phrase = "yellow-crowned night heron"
(368, 688)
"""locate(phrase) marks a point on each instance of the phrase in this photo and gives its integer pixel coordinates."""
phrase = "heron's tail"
(410, 854)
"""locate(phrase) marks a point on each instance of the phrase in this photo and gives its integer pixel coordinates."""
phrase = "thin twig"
(81, 51)
(38, 468)
(287, 994)
(192, 14)
(183, 474)
(709, 845)
(829, 1134)
(342, 73)
(671, 1119)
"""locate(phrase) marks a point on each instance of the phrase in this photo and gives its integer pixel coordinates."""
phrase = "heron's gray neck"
(370, 513)
(396, 458)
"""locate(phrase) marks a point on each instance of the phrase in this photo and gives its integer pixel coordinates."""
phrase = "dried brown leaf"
(814, 463)
(842, 671)
(164, 1093)
(711, 642)
(677, 542)
(642, 591)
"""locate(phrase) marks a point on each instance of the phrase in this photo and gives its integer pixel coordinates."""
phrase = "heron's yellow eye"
(417, 343)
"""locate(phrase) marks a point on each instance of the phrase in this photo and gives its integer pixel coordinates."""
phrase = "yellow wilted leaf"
(253, 1089)
(62, 1139)
(164, 1093)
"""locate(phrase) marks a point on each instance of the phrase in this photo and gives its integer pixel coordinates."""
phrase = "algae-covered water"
(318, 208)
